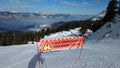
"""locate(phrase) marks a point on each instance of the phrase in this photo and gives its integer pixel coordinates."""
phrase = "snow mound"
(63, 34)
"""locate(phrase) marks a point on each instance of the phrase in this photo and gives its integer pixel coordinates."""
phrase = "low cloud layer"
(70, 3)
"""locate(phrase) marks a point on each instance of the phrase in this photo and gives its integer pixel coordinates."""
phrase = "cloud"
(26, 6)
(36, 0)
(15, 1)
(99, 1)
(70, 3)
(86, 4)
(16, 7)
(22, 1)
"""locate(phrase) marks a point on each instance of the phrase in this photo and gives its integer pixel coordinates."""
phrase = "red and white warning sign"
(61, 44)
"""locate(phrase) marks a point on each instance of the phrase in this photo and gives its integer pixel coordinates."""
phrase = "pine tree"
(118, 6)
(110, 14)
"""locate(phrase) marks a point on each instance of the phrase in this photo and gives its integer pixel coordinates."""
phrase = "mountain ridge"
(17, 21)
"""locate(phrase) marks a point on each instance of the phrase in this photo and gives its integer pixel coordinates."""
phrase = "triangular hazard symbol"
(47, 47)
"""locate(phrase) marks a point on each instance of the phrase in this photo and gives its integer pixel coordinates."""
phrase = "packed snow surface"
(95, 54)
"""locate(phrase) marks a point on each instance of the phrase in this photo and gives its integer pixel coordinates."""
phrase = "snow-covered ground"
(99, 16)
(95, 54)
(109, 30)
(71, 33)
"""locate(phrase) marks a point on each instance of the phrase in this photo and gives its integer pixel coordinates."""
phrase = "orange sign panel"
(61, 44)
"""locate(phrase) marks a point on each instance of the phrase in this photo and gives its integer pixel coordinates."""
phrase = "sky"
(84, 7)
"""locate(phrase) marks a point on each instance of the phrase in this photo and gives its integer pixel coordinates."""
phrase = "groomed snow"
(95, 54)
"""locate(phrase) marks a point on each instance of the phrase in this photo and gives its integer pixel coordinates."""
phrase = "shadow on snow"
(35, 61)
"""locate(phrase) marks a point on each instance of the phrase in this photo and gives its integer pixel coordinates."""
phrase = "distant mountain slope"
(14, 21)
(111, 21)
(99, 16)
(110, 29)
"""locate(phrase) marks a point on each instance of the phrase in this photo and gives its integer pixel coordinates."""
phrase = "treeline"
(16, 38)
(13, 38)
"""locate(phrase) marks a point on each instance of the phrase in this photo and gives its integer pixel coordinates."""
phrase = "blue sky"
(91, 7)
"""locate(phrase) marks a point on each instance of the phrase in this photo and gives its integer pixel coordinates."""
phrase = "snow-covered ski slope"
(95, 54)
